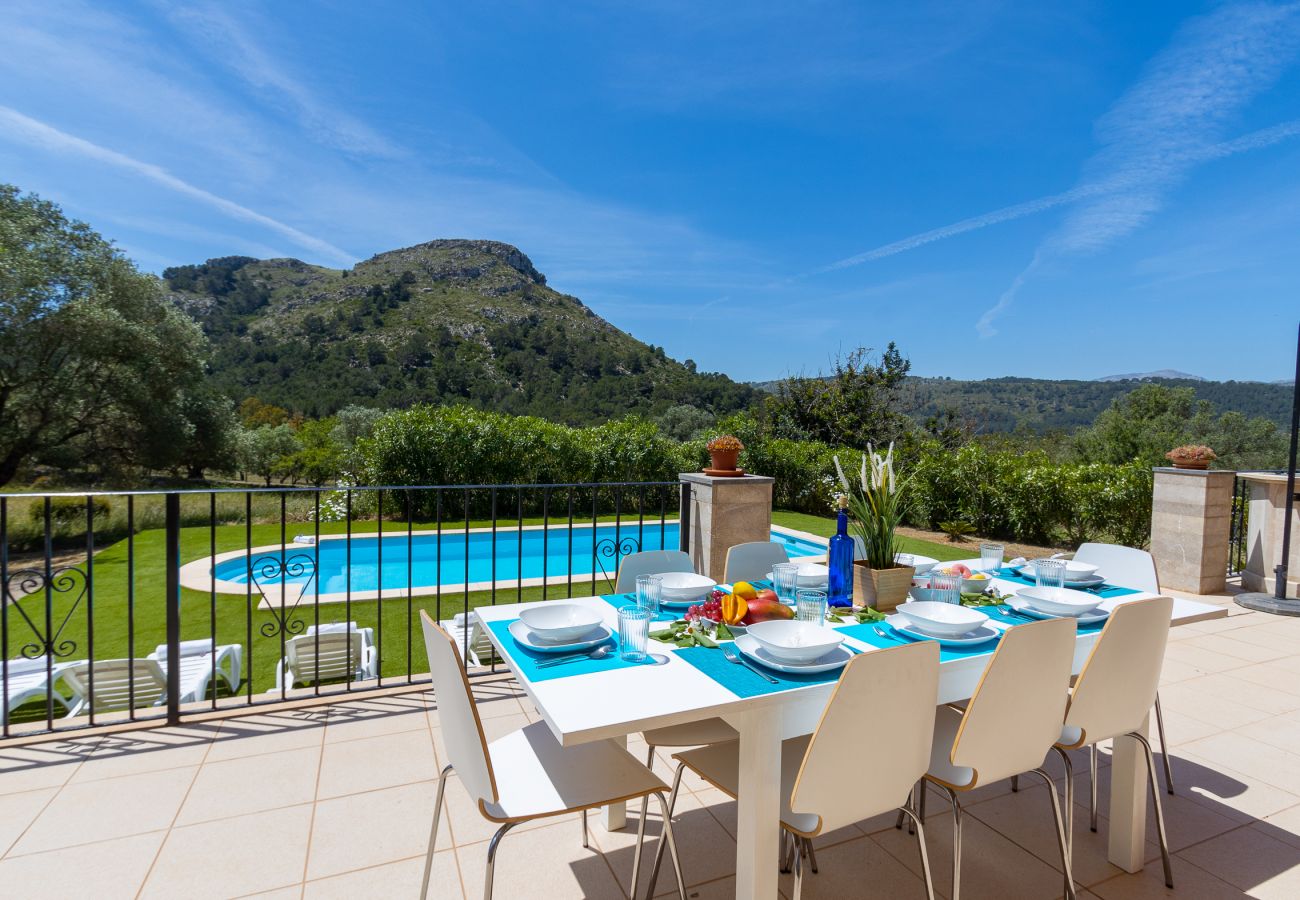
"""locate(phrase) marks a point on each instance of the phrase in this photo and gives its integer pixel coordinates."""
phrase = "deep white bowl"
(685, 585)
(941, 619)
(1059, 601)
(974, 585)
(812, 575)
(1074, 571)
(558, 622)
(923, 564)
(790, 641)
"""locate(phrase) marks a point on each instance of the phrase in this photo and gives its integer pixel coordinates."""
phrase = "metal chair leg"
(1069, 804)
(1060, 832)
(1015, 784)
(640, 840)
(672, 846)
(925, 857)
(911, 802)
(650, 757)
(1160, 814)
(1092, 786)
(787, 852)
(668, 815)
(798, 876)
(956, 843)
(812, 855)
(433, 832)
(492, 858)
(585, 844)
(1164, 747)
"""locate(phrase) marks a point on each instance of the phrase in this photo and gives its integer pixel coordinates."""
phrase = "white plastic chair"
(1007, 727)
(752, 561)
(28, 680)
(199, 669)
(472, 639)
(1129, 567)
(649, 562)
(1113, 695)
(526, 774)
(119, 684)
(330, 653)
(885, 699)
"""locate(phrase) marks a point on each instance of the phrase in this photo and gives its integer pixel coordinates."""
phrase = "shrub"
(66, 512)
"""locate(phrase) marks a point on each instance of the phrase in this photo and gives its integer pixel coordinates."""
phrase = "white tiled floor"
(336, 802)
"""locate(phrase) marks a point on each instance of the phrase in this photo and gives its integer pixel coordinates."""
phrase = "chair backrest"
(1121, 565)
(1117, 686)
(885, 701)
(752, 561)
(113, 683)
(324, 656)
(649, 562)
(1015, 715)
(462, 730)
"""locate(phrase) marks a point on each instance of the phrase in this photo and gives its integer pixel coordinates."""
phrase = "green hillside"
(446, 321)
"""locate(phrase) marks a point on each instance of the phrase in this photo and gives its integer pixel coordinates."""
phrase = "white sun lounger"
(28, 680)
(330, 653)
(475, 646)
(199, 669)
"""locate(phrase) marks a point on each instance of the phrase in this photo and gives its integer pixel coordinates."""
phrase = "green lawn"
(825, 526)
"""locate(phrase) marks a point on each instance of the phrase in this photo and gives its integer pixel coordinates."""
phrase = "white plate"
(981, 635)
(940, 619)
(525, 638)
(836, 659)
(1020, 606)
(923, 564)
(800, 584)
(1094, 581)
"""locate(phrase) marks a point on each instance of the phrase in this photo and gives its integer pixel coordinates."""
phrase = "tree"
(95, 364)
(857, 404)
(267, 450)
(253, 413)
(212, 442)
(684, 422)
(319, 457)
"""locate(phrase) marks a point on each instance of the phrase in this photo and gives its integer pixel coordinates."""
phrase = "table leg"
(616, 813)
(1128, 803)
(759, 804)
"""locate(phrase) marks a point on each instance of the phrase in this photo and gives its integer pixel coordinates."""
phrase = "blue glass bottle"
(839, 560)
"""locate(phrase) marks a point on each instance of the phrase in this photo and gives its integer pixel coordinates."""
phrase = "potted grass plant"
(876, 504)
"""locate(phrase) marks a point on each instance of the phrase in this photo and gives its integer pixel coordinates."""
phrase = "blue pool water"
(553, 552)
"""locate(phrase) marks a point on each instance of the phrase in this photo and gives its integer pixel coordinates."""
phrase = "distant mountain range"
(1165, 374)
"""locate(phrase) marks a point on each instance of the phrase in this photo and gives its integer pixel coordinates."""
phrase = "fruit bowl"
(976, 584)
(1059, 601)
(941, 619)
(559, 622)
(790, 641)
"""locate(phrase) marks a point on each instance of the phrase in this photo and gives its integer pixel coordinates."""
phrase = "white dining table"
(622, 701)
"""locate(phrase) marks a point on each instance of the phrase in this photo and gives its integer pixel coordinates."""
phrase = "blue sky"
(1056, 190)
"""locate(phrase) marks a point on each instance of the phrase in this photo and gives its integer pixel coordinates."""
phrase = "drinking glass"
(785, 576)
(634, 632)
(649, 591)
(810, 606)
(1049, 572)
(947, 588)
(991, 558)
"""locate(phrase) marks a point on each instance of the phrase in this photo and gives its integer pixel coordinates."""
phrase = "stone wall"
(1191, 522)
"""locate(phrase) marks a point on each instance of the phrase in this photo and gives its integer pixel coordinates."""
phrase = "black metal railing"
(151, 606)
(1239, 522)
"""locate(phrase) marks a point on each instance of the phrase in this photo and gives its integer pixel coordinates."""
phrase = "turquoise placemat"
(1105, 590)
(1021, 619)
(866, 632)
(527, 660)
(741, 681)
(618, 601)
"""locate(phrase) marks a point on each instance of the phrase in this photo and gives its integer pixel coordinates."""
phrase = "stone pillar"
(725, 512)
(1191, 522)
(1266, 517)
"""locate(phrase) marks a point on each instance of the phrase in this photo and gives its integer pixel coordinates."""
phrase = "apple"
(961, 570)
(768, 595)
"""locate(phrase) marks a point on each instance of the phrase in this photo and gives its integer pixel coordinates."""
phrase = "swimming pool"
(458, 558)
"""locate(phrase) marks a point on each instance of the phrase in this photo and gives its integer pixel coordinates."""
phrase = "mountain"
(445, 321)
(1165, 374)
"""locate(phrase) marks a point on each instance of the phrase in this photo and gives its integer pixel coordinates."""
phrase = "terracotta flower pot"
(724, 459)
(1200, 464)
(881, 589)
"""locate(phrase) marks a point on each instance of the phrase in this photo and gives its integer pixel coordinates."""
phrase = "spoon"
(729, 651)
(599, 653)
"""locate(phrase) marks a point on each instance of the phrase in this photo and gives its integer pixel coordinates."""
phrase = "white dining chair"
(527, 774)
(1007, 727)
(1113, 694)
(649, 562)
(752, 561)
(884, 699)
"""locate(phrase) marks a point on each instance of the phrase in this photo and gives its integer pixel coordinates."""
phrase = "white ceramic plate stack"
(1057, 603)
(811, 576)
(684, 588)
(1077, 574)
(559, 628)
(794, 647)
(950, 624)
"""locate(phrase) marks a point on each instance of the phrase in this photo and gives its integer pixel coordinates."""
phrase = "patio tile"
(17, 811)
(541, 862)
(1228, 645)
(372, 829)
(371, 718)
(100, 810)
(1231, 792)
(1281, 731)
(146, 758)
(1187, 820)
(233, 856)
(41, 765)
(265, 733)
(1203, 660)
(396, 879)
(105, 870)
(468, 825)
(1268, 763)
(706, 849)
(370, 763)
(858, 868)
(249, 784)
(1251, 861)
(1190, 883)
(1199, 698)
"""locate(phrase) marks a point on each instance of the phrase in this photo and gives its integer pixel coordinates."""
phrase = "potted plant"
(1191, 456)
(876, 505)
(723, 453)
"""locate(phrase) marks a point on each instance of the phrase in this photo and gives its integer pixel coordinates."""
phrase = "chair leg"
(585, 844)
(956, 843)
(787, 851)
(812, 855)
(1060, 832)
(925, 857)
(1160, 814)
(1164, 747)
(668, 815)
(433, 832)
(798, 874)
(492, 858)
(640, 840)
(672, 845)
(1069, 803)
(1015, 784)
(1092, 787)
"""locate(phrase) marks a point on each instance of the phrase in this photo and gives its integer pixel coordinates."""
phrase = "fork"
(729, 651)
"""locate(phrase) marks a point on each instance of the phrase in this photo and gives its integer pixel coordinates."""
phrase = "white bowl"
(812, 575)
(790, 641)
(1074, 571)
(923, 564)
(1059, 601)
(975, 585)
(685, 585)
(557, 622)
(941, 619)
